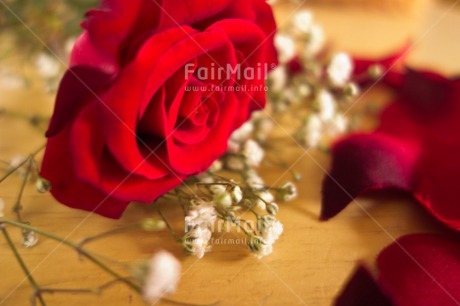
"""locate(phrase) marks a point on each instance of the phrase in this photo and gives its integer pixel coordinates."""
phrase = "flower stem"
(17, 206)
(173, 233)
(109, 233)
(18, 257)
(13, 170)
(75, 246)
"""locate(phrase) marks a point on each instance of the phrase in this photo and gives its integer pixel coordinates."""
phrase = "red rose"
(138, 110)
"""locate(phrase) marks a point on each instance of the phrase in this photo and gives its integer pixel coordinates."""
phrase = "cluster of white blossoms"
(163, 272)
(198, 223)
(319, 86)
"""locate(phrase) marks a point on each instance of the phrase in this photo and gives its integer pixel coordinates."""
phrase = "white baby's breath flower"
(326, 104)
(47, 65)
(233, 146)
(278, 79)
(223, 199)
(163, 274)
(340, 69)
(352, 89)
(205, 178)
(271, 230)
(202, 214)
(287, 192)
(313, 131)
(337, 126)
(262, 126)
(264, 250)
(29, 239)
(216, 166)
(69, 44)
(259, 247)
(11, 81)
(196, 241)
(303, 21)
(253, 152)
(237, 194)
(263, 197)
(243, 132)
(316, 40)
(217, 188)
(285, 46)
(234, 163)
(254, 180)
(272, 208)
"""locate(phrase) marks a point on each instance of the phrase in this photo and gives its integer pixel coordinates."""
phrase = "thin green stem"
(13, 170)
(75, 246)
(173, 233)
(109, 233)
(17, 206)
(18, 257)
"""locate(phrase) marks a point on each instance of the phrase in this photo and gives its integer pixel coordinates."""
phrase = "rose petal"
(392, 66)
(418, 269)
(101, 170)
(415, 149)
(67, 188)
(78, 86)
(422, 270)
(108, 28)
(362, 290)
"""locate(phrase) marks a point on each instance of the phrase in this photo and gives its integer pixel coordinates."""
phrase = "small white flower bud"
(216, 166)
(42, 185)
(272, 208)
(47, 66)
(29, 239)
(303, 21)
(351, 90)
(223, 199)
(237, 194)
(152, 225)
(162, 275)
(326, 104)
(217, 188)
(234, 163)
(287, 192)
(340, 69)
(285, 46)
(253, 152)
(375, 71)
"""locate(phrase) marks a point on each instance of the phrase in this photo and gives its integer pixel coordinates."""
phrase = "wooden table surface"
(312, 259)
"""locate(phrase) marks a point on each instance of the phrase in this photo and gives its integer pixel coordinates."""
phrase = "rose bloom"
(138, 111)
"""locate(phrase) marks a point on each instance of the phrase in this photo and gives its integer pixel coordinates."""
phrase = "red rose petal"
(422, 270)
(420, 153)
(362, 290)
(67, 188)
(103, 172)
(180, 12)
(78, 86)
(418, 269)
(392, 66)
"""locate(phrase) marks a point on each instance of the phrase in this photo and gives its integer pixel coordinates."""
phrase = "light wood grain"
(311, 261)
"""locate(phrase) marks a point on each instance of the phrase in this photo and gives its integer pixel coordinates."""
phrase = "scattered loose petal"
(419, 269)
(415, 149)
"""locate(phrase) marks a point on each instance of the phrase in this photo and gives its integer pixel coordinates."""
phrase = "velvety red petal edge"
(417, 269)
(362, 290)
